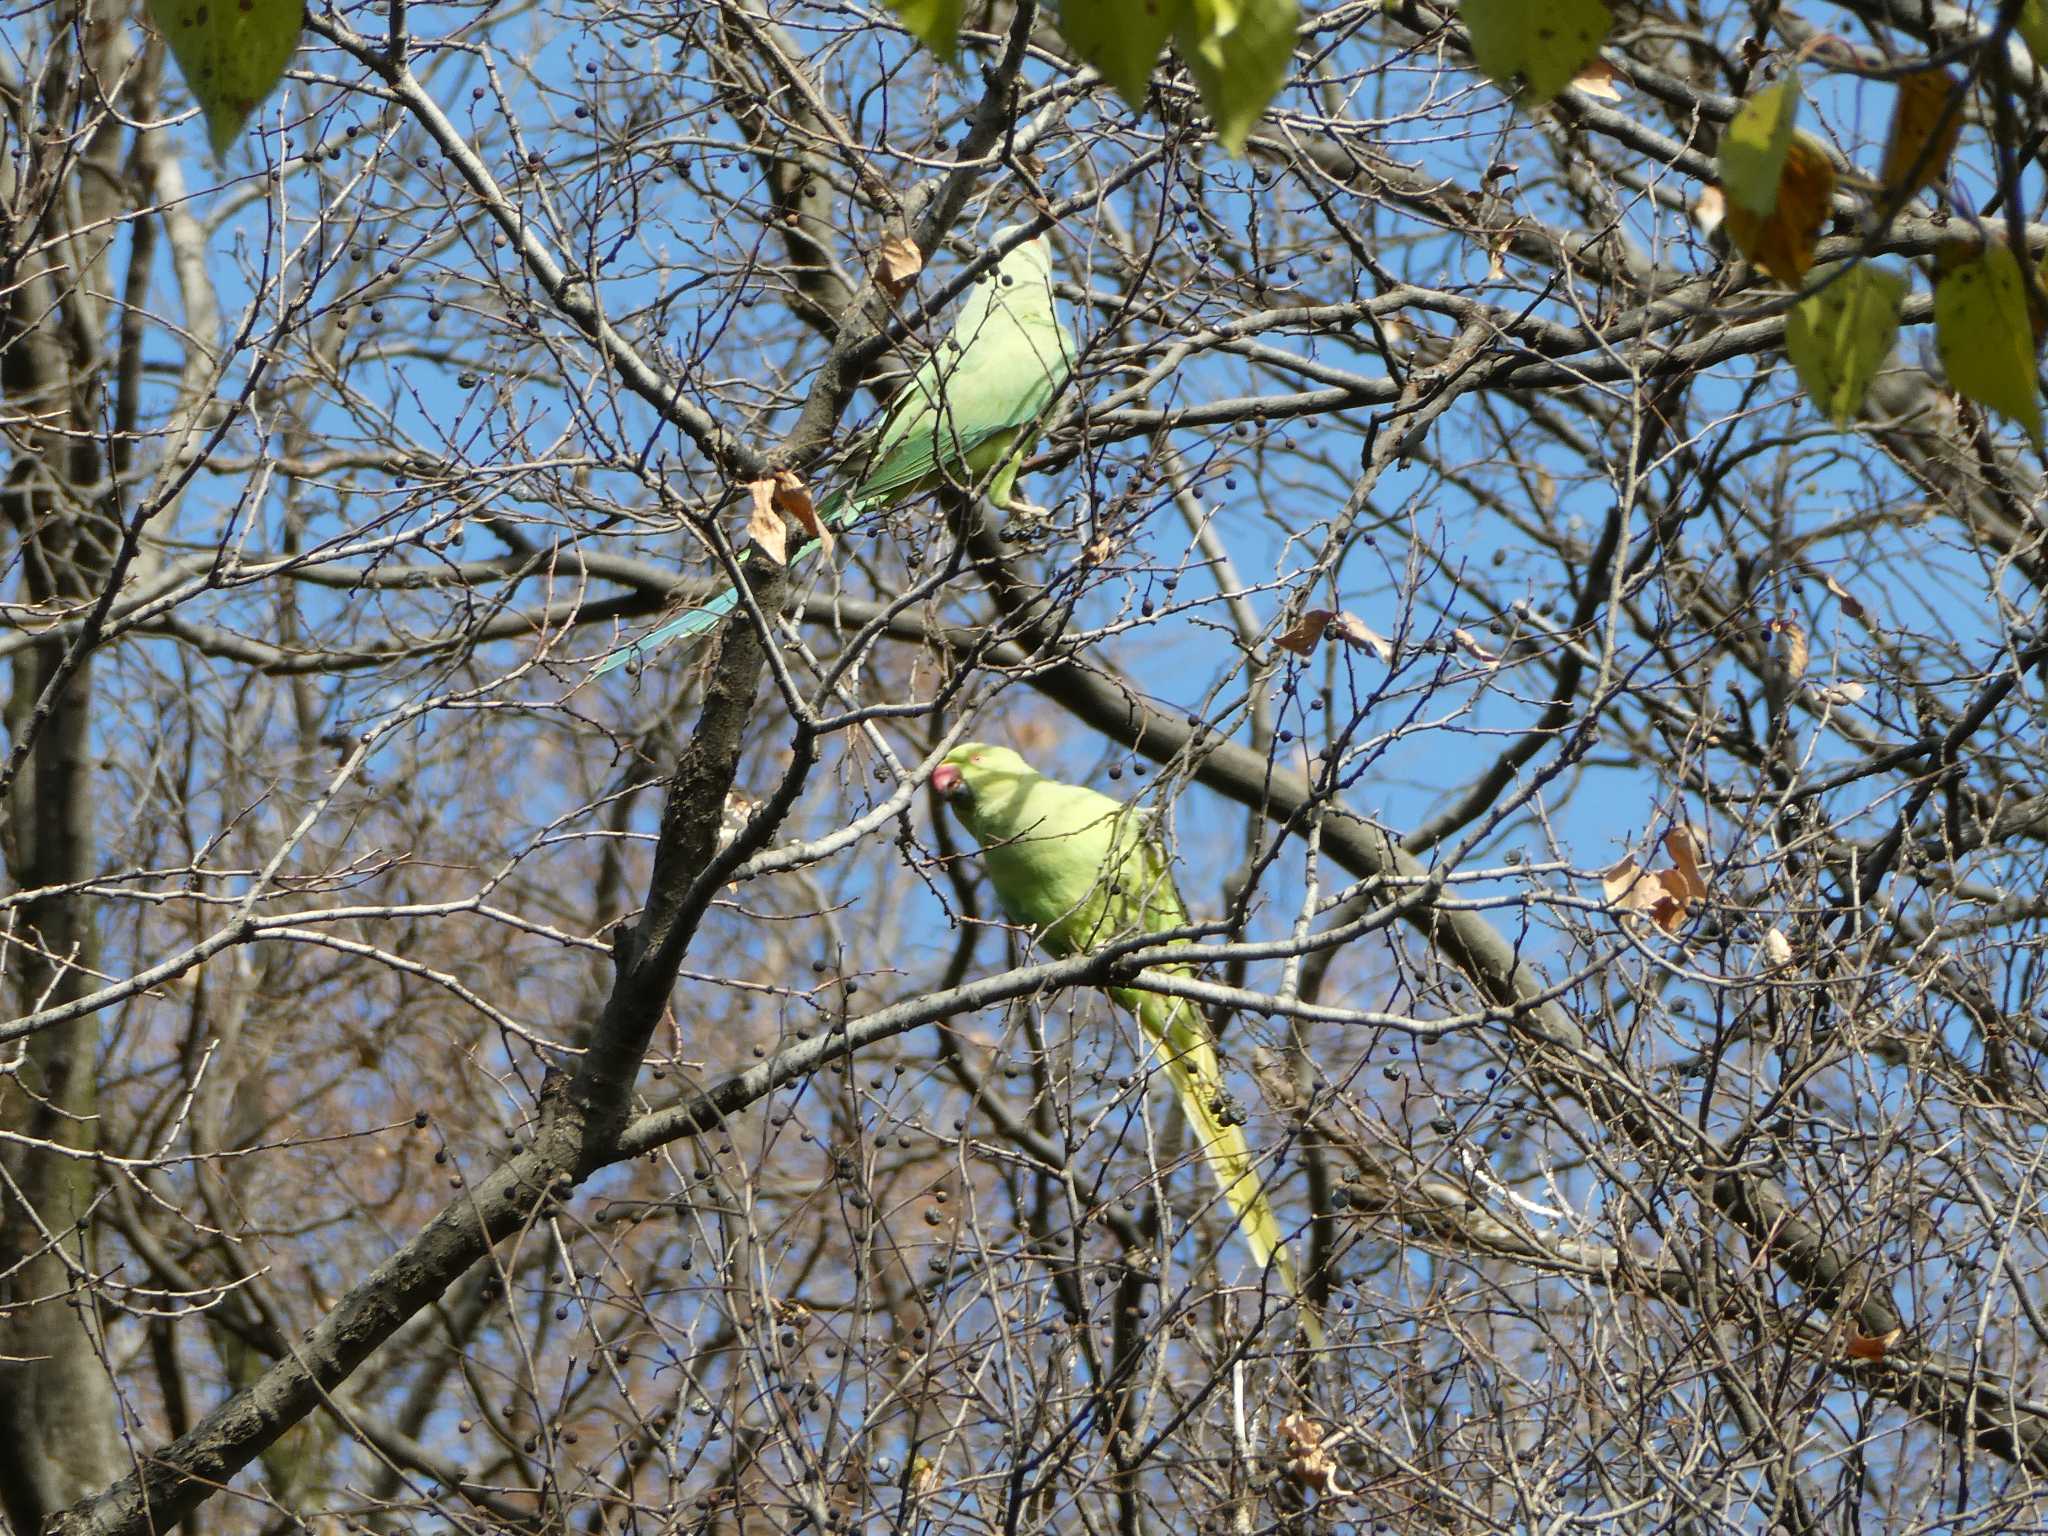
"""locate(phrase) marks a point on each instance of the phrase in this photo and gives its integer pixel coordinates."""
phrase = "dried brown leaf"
(897, 264)
(793, 497)
(1599, 78)
(1353, 630)
(764, 522)
(1321, 623)
(1710, 209)
(1866, 1346)
(1469, 642)
(1777, 949)
(1308, 1460)
(1792, 644)
(1306, 631)
(1619, 883)
(1850, 605)
(1664, 896)
(1683, 844)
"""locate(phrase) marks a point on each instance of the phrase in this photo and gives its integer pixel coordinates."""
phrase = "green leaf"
(1840, 337)
(1984, 335)
(1121, 38)
(232, 54)
(935, 23)
(1753, 149)
(1546, 42)
(1238, 51)
(2033, 30)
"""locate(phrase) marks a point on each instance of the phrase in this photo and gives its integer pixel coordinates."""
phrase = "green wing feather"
(1080, 869)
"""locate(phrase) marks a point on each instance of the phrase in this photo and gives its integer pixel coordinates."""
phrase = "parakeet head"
(983, 784)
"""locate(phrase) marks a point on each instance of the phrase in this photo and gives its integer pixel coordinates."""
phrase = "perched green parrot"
(1080, 870)
(971, 410)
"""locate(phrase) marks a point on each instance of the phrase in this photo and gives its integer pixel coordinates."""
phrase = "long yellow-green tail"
(1190, 1058)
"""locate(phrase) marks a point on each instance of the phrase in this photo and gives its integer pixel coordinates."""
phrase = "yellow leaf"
(1239, 52)
(1546, 42)
(1754, 147)
(1984, 334)
(1838, 338)
(1926, 122)
(1782, 240)
(232, 54)
(935, 23)
(1121, 38)
(2033, 30)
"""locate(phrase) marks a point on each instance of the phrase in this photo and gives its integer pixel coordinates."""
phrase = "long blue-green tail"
(836, 510)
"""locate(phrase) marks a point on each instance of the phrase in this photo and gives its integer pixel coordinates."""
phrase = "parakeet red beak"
(948, 780)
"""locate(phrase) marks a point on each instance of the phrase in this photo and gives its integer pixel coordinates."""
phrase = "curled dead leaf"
(1352, 630)
(793, 497)
(1710, 209)
(1792, 646)
(764, 522)
(775, 502)
(1777, 949)
(1868, 1346)
(1469, 644)
(1303, 634)
(1664, 896)
(1599, 78)
(1318, 623)
(897, 264)
(1307, 1458)
(1683, 844)
(1839, 694)
(739, 809)
(1850, 605)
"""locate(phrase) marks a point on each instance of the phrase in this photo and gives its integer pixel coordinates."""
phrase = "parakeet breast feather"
(1076, 867)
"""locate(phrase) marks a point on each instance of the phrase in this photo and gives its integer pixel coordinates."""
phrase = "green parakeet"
(972, 409)
(1079, 870)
